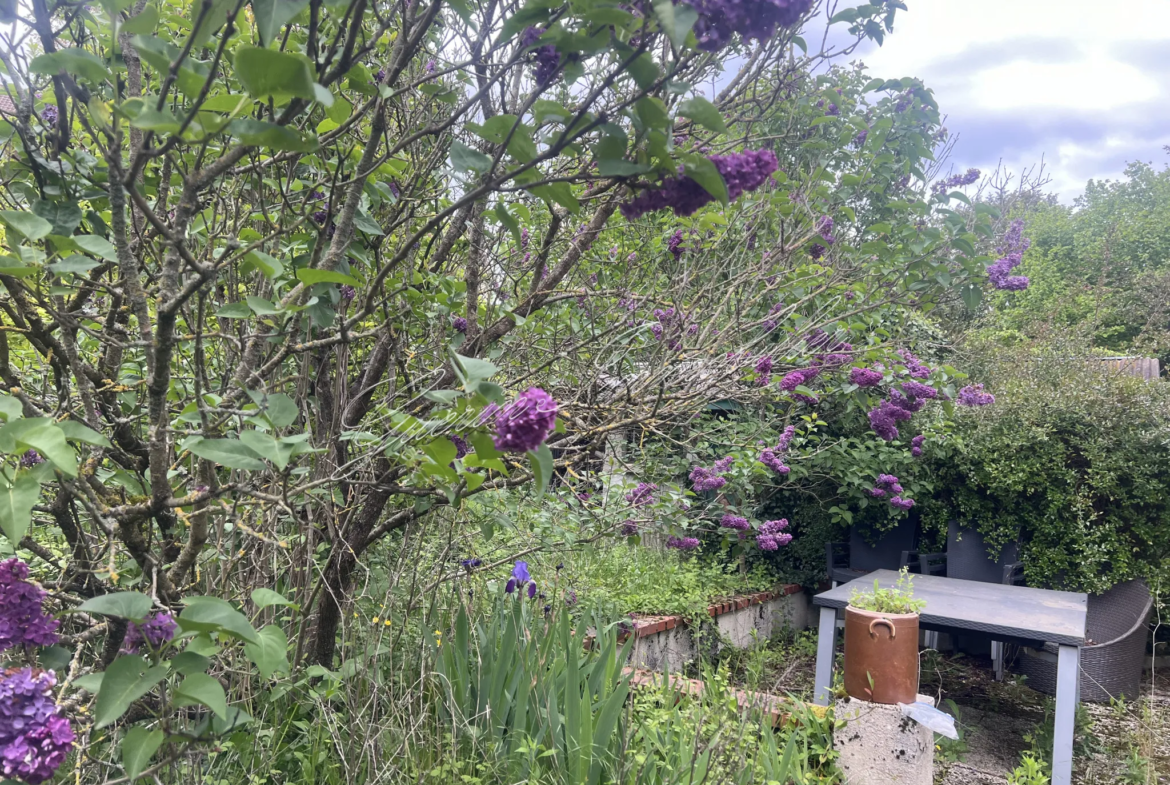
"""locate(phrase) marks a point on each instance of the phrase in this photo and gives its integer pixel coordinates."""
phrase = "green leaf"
(263, 598)
(122, 605)
(231, 453)
(199, 688)
(268, 265)
(542, 467)
(702, 171)
(97, 246)
(74, 264)
(473, 370)
(30, 226)
(270, 655)
(271, 15)
(188, 662)
(125, 681)
(234, 311)
(10, 408)
(496, 129)
(90, 682)
(340, 111)
(211, 614)
(311, 275)
(16, 504)
(676, 20)
(971, 295)
(561, 193)
(265, 445)
(280, 409)
(159, 55)
(276, 137)
(704, 113)
(363, 221)
(76, 432)
(644, 71)
(160, 121)
(507, 219)
(138, 747)
(260, 306)
(613, 167)
(266, 73)
(144, 23)
(212, 22)
(652, 112)
(43, 435)
(73, 61)
(464, 159)
(64, 216)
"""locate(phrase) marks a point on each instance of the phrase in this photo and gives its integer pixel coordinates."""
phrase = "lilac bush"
(741, 172)
(23, 621)
(524, 424)
(158, 629)
(35, 738)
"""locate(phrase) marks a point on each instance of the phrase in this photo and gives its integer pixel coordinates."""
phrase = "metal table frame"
(1009, 613)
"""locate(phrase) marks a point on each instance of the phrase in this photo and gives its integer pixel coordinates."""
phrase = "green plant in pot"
(881, 642)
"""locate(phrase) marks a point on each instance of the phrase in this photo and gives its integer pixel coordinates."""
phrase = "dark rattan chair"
(924, 563)
(837, 563)
(1111, 660)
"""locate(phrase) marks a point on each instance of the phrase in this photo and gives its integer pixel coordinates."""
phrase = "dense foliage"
(297, 291)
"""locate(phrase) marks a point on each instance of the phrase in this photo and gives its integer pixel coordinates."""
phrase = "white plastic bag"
(924, 714)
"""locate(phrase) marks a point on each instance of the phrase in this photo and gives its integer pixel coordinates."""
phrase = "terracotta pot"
(881, 656)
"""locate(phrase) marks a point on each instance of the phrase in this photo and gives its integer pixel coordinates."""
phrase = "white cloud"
(1021, 79)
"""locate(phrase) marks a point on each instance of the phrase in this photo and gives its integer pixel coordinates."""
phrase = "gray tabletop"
(1006, 611)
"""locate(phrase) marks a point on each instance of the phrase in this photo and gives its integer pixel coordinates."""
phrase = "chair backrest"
(1117, 610)
(924, 563)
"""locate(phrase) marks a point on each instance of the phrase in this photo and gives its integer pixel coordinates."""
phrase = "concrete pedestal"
(878, 745)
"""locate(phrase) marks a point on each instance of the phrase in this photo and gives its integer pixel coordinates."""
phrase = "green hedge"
(1072, 461)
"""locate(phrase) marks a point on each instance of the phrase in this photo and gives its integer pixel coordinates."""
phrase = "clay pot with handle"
(881, 656)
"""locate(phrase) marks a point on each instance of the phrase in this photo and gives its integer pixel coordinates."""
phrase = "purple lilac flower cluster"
(897, 408)
(764, 370)
(159, 628)
(745, 171)
(460, 324)
(49, 114)
(770, 457)
(772, 324)
(865, 377)
(825, 229)
(629, 528)
(816, 250)
(34, 738)
(31, 458)
(888, 484)
(919, 390)
(916, 445)
(704, 479)
(642, 495)
(859, 140)
(22, 616)
(675, 245)
(737, 522)
(348, 293)
(956, 181)
(524, 424)
(682, 543)
(547, 60)
(973, 395)
(771, 535)
(1012, 252)
(520, 578)
(914, 367)
(758, 19)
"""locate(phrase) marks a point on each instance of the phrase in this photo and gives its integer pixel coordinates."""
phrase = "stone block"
(878, 745)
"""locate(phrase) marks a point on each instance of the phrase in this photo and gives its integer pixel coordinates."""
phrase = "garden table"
(1014, 614)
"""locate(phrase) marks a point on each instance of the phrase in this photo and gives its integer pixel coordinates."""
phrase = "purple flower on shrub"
(682, 543)
(764, 365)
(531, 590)
(816, 250)
(770, 536)
(877, 493)
(348, 293)
(900, 503)
(524, 424)
(794, 379)
(1012, 248)
(430, 66)
(741, 172)
(865, 377)
(758, 19)
(49, 114)
(489, 413)
(956, 181)
(919, 390)
(973, 395)
(916, 445)
(571, 598)
(34, 738)
(31, 458)
(914, 367)
(460, 324)
(629, 528)
(523, 239)
(159, 628)
(461, 446)
(773, 461)
(320, 216)
(22, 616)
(737, 522)
(825, 229)
(907, 404)
(641, 495)
(675, 245)
(859, 140)
(547, 59)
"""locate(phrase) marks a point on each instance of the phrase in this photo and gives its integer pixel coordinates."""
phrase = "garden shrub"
(1070, 461)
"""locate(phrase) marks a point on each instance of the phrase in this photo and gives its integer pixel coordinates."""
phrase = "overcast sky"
(1085, 85)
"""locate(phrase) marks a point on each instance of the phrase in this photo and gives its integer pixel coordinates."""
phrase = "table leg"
(826, 640)
(1068, 674)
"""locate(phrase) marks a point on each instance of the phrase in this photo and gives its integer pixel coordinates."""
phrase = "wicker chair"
(1111, 663)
